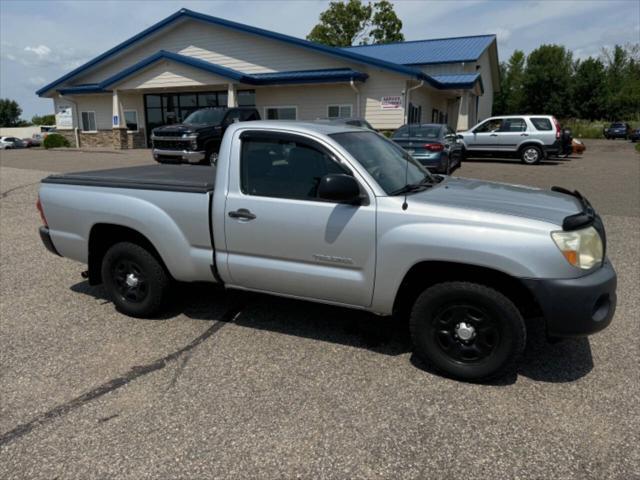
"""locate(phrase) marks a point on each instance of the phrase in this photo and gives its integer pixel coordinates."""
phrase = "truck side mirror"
(460, 137)
(340, 188)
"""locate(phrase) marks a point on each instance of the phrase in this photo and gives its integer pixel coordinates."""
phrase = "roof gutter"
(406, 100)
(355, 89)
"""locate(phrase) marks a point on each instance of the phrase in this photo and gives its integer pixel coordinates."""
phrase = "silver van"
(530, 137)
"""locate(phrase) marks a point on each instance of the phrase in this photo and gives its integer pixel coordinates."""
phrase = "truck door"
(281, 238)
(512, 133)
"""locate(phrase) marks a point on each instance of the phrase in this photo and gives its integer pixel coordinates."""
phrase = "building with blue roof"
(190, 60)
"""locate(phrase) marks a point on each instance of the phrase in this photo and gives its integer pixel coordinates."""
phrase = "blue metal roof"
(185, 13)
(459, 80)
(393, 57)
(274, 78)
(422, 52)
(303, 76)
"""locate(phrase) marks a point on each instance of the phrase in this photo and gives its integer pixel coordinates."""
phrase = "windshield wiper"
(423, 184)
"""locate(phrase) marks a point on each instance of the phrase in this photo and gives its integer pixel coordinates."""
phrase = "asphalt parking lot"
(231, 385)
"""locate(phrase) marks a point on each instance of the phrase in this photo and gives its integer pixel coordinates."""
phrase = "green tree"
(510, 99)
(589, 94)
(547, 81)
(10, 113)
(623, 81)
(44, 119)
(349, 23)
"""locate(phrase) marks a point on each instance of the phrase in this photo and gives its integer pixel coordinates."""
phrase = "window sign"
(392, 102)
(64, 117)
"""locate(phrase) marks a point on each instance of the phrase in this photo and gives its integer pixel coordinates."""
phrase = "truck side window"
(283, 168)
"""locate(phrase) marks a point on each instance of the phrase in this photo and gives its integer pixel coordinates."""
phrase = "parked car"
(617, 130)
(351, 121)
(532, 138)
(434, 145)
(11, 142)
(38, 138)
(635, 135)
(577, 146)
(342, 215)
(197, 139)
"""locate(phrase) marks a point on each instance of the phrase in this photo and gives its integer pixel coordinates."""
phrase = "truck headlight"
(582, 248)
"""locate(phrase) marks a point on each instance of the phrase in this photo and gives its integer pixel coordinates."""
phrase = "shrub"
(55, 140)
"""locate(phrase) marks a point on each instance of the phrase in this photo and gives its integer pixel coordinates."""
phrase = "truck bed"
(174, 178)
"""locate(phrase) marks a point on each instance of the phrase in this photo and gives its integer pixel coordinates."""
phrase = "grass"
(638, 147)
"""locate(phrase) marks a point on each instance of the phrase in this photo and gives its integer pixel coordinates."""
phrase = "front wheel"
(531, 155)
(467, 330)
(136, 281)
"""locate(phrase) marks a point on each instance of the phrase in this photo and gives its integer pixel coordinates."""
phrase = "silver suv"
(530, 137)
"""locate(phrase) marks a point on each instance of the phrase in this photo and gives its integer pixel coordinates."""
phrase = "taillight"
(434, 147)
(41, 211)
(557, 124)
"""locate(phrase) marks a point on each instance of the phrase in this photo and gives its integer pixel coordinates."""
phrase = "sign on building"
(392, 102)
(64, 117)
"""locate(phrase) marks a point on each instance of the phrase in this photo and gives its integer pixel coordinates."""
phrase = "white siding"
(429, 98)
(99, 103)
(168, 74)
(381, 84)
(485, 103)
(311, 100)
(238, 50)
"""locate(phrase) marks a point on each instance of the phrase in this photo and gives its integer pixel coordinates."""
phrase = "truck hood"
(178, 129)
(517, 200)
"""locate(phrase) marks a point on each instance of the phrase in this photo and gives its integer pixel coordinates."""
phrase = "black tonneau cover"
(173, 178)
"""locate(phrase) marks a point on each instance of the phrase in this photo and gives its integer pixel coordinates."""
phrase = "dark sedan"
(617, 130)
(434, 145)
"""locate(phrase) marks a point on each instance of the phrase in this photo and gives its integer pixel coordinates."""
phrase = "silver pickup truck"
(341, 215)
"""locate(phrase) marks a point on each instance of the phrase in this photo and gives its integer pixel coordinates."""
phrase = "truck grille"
(172, 144)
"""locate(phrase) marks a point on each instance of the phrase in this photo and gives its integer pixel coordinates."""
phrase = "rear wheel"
(135, 280)
(531, 155)
(466, 330)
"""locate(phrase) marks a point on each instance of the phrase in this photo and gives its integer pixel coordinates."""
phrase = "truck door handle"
(493, 135)
(242, 213)
(524, 134)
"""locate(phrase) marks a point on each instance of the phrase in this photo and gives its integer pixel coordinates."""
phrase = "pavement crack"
(133, 374)
(4, 195)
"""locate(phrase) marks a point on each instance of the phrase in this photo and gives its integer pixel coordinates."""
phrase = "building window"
(281, 113)
(88, 121)
(339, 111)
(246, 98)
(435, 113)
(131, 119)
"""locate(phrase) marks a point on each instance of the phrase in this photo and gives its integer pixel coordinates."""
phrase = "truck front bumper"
(178, 155)
(579, 306)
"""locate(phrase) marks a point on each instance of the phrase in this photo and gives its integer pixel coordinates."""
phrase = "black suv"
(197, 139)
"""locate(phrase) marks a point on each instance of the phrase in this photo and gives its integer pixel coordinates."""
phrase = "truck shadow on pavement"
(565, 361)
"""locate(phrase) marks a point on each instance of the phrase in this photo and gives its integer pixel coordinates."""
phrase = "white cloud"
(41, 51)
(43, 56)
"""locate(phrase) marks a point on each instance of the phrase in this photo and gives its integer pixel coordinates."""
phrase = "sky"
(42, 40)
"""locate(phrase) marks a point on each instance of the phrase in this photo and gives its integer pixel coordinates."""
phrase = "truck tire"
(467, 331)
(531, 155)
(136, 281)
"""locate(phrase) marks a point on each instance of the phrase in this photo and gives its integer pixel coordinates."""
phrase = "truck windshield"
(386, 162)
(207, 115)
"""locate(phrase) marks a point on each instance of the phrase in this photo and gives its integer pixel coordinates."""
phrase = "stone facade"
(118, 139)
(70, 136)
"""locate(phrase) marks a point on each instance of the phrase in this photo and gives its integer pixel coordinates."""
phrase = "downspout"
(75, 129)
(406, 100)
(355, 89)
